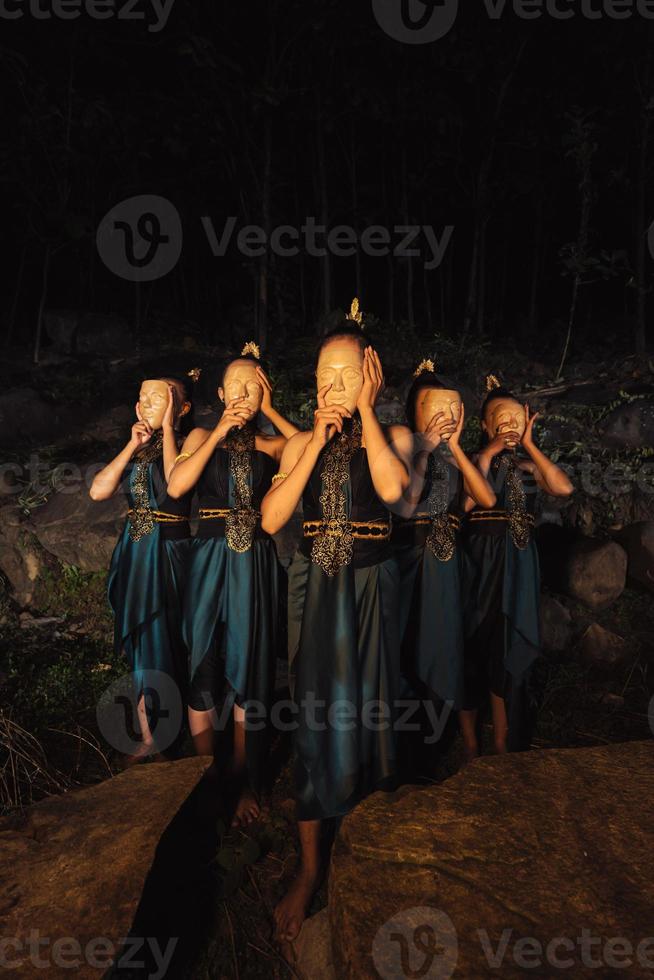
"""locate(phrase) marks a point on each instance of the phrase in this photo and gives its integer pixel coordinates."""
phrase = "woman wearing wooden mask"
(343, 590)
(502, 577)
(445, 484)
(147, 571)
(230, 613)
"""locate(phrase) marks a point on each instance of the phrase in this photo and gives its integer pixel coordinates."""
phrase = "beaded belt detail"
(208, 513)
(160, 516)
(425, 519)
(361, 530)
(496, 515)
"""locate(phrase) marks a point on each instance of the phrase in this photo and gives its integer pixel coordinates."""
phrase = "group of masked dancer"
(416, 579)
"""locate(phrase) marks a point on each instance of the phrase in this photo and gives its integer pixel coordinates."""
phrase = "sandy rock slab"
(535, 864)
(72, 869)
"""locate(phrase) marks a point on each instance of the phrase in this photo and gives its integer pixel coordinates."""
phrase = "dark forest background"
(532, 138)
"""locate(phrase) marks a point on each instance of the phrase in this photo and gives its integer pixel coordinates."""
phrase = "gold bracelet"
(279, 476)
(182, 456)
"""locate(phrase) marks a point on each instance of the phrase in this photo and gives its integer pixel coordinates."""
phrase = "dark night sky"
(505, 129)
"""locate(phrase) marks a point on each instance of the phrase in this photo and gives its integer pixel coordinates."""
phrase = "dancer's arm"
(299, 458)
(389, 454)
(287, 429)
(199, 447)
(107, 481)
(548, 475)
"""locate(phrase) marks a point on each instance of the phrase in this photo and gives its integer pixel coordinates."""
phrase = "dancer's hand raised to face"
(141, 430)
(235, 416)
(168, 421)
(441, 427)
(528, 434)
(327, 419)
(373, 380)
(506, 439)
(267, 389)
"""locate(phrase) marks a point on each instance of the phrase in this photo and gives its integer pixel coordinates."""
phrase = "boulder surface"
(482, 874)
(72, 868)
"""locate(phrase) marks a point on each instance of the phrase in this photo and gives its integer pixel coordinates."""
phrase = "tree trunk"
(42, 302)
(325, 260)
(536, 267)
(408, 259)
(262, 305)
(640, 333)
(11, 321)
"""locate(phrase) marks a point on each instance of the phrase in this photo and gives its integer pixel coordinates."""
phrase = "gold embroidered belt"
(424, 519)
(160, 516)
(496, 515)
(210, 513)
(361, 530)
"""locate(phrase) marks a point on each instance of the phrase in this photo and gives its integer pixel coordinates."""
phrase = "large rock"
(72, 868)
(638, 542)
(102, 333)
(60, 328)
(598, 647)
(87, 333)
(499, 861)
(27, 419)
(630, 426)
(556, 625)
(76, 529)
(595, 572)
(313, 949)
(20, 560)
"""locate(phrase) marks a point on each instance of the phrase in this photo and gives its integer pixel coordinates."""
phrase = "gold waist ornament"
(361, 530)
(333, 543)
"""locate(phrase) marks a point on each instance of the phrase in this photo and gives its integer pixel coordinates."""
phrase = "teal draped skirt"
(431, 622)
(502, 624)
(231, 604)
(344, 667)
(146, 589)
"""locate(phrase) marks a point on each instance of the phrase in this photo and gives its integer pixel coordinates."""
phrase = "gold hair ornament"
(492, 383)
(194, 374)
(425, 365)
(355, 313)
(252, 348)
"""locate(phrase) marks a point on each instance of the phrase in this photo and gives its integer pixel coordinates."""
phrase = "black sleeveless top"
(213, 489)
(365, 505)
(170, 531)
(498, 482)
(406, 532)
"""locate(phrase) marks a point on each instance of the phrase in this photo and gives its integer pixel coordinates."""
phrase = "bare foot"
(146, 750)
(470, 753)
(292, 910)
(247, 808)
